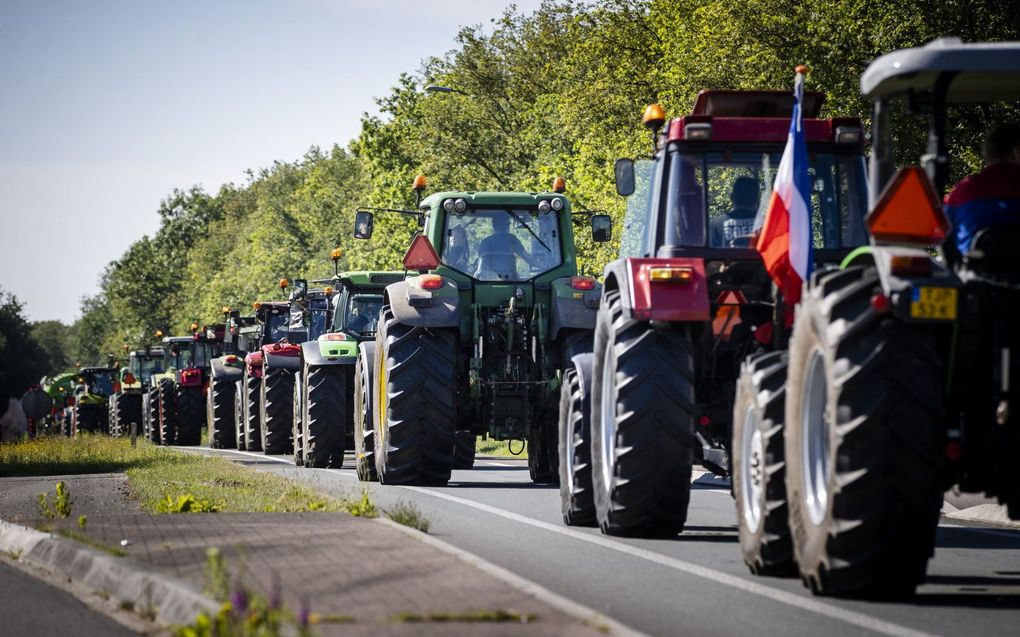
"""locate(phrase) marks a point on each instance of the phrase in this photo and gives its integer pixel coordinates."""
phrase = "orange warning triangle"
(731, 297)
(908, 211)
(421, 255)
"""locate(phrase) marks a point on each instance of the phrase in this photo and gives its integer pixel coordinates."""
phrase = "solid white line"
(797, 601)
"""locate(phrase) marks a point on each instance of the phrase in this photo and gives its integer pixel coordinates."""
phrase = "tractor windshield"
(719, 199)
(494, 244)
(99, 383)
(363, 313)
(195, 354)
(317, 322)
(277, 325)
(144, 367)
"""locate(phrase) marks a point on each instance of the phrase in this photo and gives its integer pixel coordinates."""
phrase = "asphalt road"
(30, 607)
(696, 583)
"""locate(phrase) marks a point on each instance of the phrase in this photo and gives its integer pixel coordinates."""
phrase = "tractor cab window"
(99, 383)
(277, 325)
(317, 322)
(492, 244)
(144, 368)
(720, 198)
(363, 313)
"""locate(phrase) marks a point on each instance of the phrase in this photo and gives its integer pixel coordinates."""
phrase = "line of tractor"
(841, 413)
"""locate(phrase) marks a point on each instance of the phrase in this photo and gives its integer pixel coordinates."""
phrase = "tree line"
(555, 92)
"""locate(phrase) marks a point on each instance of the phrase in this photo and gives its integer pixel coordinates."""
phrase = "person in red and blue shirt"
(992, 196)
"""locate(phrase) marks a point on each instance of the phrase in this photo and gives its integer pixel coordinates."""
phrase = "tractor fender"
(220, 369)
(584, 363)
(414, 306)
(320, 353)
(282, 361)
(572, 309)
(902, 288)
(673, 301)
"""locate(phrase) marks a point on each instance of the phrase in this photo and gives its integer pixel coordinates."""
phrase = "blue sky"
(106, 106)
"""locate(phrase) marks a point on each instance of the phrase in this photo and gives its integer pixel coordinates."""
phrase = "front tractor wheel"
(364, 442)
(152, 427)
(543, 454)
(295, 429)
(864, 409)
(416, 387)
(252, 412)
(576, 499)
(642, 424)
(759, 472)
(221, 423)
(275, 417)
(324, 420)
(239, 415)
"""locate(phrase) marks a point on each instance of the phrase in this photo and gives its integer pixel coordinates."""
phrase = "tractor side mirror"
(601, 228)
(364, 223)
(300, 288)
(623, 170)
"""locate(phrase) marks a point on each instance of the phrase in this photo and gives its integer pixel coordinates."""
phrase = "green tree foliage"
(23, 361)
(555, 92)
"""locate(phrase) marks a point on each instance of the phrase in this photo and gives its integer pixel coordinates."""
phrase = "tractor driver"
(991, 196)
(734, 228)
(499, 251)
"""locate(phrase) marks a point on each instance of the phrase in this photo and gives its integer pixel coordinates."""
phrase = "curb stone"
(580, 612)
(172, 601)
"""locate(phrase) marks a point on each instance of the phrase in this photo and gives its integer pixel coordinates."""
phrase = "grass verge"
(56, 455)
(492, 447)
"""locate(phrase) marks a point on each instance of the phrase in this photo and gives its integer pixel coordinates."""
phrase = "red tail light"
(582, 282)
(191, 377)
(430, 281)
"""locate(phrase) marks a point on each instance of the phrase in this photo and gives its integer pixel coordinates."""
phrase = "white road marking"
(796, 601)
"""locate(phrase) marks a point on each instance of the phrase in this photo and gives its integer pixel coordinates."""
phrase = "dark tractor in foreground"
(688, 300)
(179, 392)
(474, 343)
(902, 377)
(324, 408)
(127, 404)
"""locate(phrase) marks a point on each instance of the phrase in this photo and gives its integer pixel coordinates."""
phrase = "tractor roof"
(154, 352)
(372, 280)
(981, 72)
(491, 198)
(96, 369)
(178, 339)
(754, 116)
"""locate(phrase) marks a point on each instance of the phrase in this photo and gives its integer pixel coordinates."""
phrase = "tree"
(23, 361)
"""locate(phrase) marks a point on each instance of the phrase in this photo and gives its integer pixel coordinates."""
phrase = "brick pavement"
(336, 564)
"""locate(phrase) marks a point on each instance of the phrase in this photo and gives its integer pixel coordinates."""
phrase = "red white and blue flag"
(785, 237)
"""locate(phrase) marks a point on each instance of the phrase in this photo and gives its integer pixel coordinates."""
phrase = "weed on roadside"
(71, 534)
(186, 503)
(408, 514)
(62, 503)
(363, 507)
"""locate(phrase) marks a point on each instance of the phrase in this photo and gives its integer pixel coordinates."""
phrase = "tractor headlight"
(448, 205)
(557, 204)
(460, 205)
(543, 206)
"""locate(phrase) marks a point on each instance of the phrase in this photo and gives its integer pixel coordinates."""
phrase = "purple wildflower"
(239, 601)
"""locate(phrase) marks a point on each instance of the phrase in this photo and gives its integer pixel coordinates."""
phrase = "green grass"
(408, 514)
(115, 551)
(56, 455)
(492, 447)
(162, 479)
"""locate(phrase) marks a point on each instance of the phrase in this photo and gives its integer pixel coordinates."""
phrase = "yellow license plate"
(933, 303)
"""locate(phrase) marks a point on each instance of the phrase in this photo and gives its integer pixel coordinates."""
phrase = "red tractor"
(689, 299)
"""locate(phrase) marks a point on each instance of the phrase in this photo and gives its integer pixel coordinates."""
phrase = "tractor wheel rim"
(815, 447)
(608, 411)
(752, 470)
(568, 459)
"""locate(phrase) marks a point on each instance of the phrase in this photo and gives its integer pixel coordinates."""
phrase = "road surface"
(696, 583)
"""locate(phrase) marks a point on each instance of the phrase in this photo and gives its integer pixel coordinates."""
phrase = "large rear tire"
(364, 442)
(239, 437)
(252, 411)
(167, 414)
(543, 452)
(296, 435)
(577, 501)
(112, 416)
(222, 427)
(128, 409)
(642, 423)
(325, 415)
(864, 411)
(759, 472)
(152, 415)
(190, 416)
(275, 414)
(416, 381)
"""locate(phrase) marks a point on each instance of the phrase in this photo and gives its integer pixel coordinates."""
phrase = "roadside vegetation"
(492, 447)
(168, 481)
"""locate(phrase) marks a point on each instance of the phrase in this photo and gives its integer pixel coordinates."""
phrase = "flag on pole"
(785, 238)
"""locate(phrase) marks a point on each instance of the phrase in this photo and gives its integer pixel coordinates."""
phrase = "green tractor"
(126, 405)
(899, 385)
(179, 391)
(61, 391)
(91, 394)
(474, 343)
(324, 391)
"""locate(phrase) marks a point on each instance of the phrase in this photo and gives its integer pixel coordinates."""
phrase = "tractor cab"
(142, 365)
(357, 300)
(96, 383)
(188, 358)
